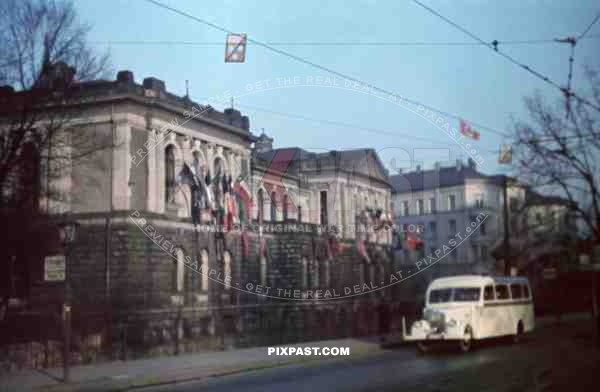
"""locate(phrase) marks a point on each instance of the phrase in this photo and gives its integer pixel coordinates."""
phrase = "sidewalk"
(121, 375)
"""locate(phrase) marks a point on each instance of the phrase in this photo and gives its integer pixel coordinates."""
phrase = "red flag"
(466, 130)
(412, 241)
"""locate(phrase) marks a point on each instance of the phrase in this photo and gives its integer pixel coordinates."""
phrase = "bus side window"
(515, 290)
(502, 292)
(488, 293)
(525, 291)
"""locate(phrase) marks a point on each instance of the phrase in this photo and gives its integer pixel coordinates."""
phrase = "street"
(545, 361)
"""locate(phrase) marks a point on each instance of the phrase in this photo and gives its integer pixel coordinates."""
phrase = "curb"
(193, 374)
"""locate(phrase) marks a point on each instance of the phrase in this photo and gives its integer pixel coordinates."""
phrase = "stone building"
(144, 275)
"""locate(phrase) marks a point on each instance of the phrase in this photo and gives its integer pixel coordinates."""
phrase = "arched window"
(227, 269)
(327, 273)
(304, 273)
(299, 214)
(27, 192)
(285, 207)
(204, 269)
(179, 271)
(263, 271)
(261, 206)
(315, 273)
(273, 206)
(170, 174)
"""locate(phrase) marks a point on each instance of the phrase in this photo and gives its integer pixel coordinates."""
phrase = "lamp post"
(67, 231)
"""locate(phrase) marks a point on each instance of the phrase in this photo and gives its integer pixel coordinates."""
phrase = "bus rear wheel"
(466, 344)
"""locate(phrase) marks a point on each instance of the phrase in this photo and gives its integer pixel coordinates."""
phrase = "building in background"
(462, 209)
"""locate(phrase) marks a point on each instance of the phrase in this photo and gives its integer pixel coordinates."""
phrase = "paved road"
(397, 369)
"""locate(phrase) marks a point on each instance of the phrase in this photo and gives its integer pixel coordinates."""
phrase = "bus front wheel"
(466, 344)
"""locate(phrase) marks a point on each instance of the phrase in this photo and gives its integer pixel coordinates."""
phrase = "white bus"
(472, 307)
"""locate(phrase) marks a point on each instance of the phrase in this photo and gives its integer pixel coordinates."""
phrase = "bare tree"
(45, 66)
(558, 150)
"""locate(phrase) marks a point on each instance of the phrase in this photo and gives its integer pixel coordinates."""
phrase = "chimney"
(154, 84)
(125, 77)
(263, 143)
(459, 164)
(471, 163)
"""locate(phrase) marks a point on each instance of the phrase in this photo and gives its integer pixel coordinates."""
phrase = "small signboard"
(54, 268)
(235, 49)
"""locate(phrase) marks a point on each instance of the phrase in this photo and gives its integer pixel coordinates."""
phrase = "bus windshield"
(458, 294)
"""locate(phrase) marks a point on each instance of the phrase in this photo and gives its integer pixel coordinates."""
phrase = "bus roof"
(475, 280)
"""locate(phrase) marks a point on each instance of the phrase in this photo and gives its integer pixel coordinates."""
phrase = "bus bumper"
(420, 331)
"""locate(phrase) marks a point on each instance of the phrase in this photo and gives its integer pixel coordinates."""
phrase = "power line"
(494, 47)
(337, 43)
(582, 35)
(323, 68)
(349, 125)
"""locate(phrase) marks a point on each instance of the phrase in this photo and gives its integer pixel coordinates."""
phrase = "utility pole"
(506, 244)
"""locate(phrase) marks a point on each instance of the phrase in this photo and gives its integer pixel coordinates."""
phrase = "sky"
(470, 81)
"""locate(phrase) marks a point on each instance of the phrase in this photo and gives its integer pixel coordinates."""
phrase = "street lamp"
(67, 233)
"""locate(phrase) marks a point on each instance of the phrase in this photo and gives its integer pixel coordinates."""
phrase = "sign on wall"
(54, 268)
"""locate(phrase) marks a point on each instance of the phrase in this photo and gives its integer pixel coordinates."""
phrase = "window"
(420, 207)
(304, 272)
(179, 270)
(432, 250)
(170, 174)
(514, 203)
(227, 269)
(452, 227)
(432, 205)
(273, 206)
(323, 207)
(475, 252)
(263, 271)
(467, 294)
(28, 185)
(516, 290)
(502, 291)
(405, 208)
(484, 252)
(299, 214)
(479, 200)
(204, 269)
(482, 229)
(261, 206)
(525, 291)
(315, 273)
(285, 207)
(488, 293)
(327, 277)
(440, 295)
(451, 202)
(433, 229)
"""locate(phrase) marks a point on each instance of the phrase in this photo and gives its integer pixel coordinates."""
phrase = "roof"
(438, 178)
(292, 160)
(474, 280)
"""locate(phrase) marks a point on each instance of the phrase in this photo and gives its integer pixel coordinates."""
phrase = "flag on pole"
(466, 130)
(413, 241)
